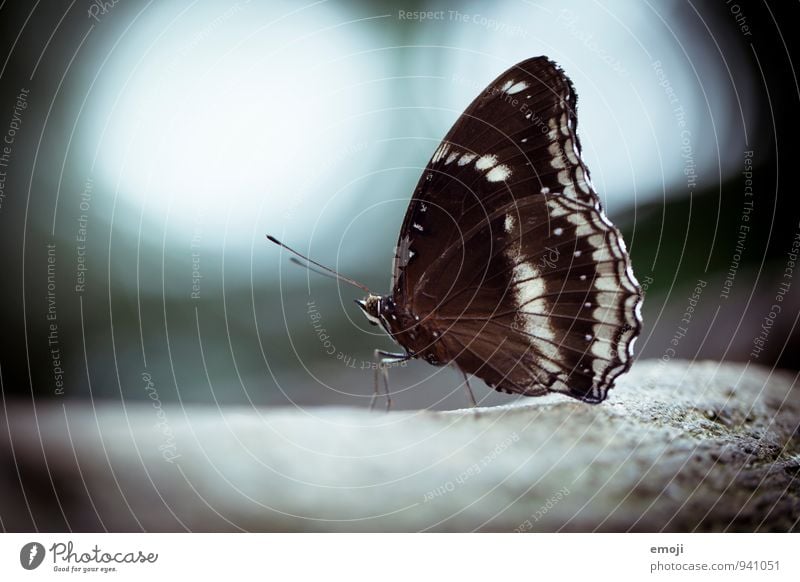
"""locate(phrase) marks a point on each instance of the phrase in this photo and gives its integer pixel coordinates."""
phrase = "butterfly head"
(371, 306)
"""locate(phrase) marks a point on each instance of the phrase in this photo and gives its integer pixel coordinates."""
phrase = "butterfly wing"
(505, 253)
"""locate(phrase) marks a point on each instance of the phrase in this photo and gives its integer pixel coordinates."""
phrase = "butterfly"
(506, 265)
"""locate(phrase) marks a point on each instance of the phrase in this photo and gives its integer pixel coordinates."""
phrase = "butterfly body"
(420, 339)
(506, 265)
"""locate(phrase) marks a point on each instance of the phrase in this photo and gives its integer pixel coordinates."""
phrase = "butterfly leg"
(468, 388)
(382, 361)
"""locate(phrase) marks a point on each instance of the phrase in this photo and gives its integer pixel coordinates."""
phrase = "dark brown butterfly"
(506, 265)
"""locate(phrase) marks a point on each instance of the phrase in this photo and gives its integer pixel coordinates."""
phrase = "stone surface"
(677, 447)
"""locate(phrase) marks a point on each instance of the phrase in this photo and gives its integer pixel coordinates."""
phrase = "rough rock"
(684, 446)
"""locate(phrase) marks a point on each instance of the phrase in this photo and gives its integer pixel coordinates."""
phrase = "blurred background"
(148, 147)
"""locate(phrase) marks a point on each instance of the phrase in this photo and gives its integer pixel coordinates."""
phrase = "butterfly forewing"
(505, 255)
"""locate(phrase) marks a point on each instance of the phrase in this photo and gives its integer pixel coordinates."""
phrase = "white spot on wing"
(517, 87)
(537, 306)
(466, 158)
(530, 288)
(606, 284)
(418, 226)
(486, 162)
(528, 283)
(498, 173)
(630, 346)
(554, 149)
(509, 223)
(556, 209)
(551, 135)
(440, 152)
(600, 349)
(571, 152)
(451, 157)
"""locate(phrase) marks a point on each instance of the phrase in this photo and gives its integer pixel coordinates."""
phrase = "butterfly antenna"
(327, 271)
(312, 268)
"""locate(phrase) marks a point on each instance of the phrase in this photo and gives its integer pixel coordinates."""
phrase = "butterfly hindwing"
(505, 254)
